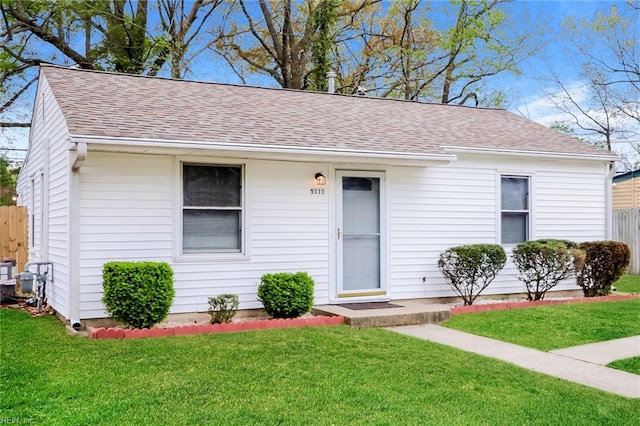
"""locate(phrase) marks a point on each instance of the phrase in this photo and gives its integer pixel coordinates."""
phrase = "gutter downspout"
(74, 234)
(610, 168)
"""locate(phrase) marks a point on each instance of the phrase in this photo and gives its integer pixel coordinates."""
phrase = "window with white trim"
(515, 209)
(211, 208)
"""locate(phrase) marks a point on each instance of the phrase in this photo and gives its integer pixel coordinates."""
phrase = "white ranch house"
(220, 182)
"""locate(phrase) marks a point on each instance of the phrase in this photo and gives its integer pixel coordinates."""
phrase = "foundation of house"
(405, 312)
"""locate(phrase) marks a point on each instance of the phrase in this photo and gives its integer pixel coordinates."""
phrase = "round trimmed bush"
(285, 294)
(138, 293)
(605, 263)
(470, 269)
(544, 263)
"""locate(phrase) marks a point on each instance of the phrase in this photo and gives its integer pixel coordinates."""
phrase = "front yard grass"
(555, 327)
(315, 376)
(632, 365)
(628, 284)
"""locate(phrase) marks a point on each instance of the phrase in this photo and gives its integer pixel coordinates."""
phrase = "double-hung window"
(211, 208)
(515, 209)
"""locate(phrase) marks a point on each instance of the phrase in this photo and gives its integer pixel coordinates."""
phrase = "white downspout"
(610, 168)
(74, 234)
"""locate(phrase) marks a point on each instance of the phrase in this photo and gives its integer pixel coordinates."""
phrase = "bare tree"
(387, 50)
(183, 23)
(593, 114)
(280, 38)
(610, 78)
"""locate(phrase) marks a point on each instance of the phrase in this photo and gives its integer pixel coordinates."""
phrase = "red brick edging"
(133, 333)
(516, 305)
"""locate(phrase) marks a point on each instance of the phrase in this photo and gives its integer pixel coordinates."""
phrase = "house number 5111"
(317, 191)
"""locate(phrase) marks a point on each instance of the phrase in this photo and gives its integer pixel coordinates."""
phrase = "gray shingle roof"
(118, 105)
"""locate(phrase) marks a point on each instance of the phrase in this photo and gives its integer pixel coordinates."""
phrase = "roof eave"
(288, 152)
(626, 176)
(531, 154)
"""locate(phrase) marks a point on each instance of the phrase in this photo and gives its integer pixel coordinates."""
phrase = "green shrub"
(286, 295)
(605, 262)
(470, 269)
(544, 263)
(138, 293)
(223, 308)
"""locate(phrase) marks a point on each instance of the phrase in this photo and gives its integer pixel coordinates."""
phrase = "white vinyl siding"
(570, 204)
(48, 202)
(126, 213)
(436, 208)
(432, 209)
(129, 211)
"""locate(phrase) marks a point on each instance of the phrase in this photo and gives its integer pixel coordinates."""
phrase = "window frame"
(32, 213)
(530, 230)
(213, 255)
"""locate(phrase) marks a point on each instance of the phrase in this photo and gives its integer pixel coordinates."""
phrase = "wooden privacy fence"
(13, 234)
(626, 228)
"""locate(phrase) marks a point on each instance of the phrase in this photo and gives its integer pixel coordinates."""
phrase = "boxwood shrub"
(605, 262)
(285, 294)
(138, 293)
(470, 269)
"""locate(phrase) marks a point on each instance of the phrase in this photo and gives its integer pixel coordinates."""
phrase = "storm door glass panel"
(212, 208)
(361, 233)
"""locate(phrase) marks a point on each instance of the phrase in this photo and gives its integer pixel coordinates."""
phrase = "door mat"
(368, 305)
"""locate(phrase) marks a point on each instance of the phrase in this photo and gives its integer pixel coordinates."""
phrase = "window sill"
(212, 258)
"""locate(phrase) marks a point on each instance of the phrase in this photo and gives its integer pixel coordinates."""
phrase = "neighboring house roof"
(100, 104)
(626, 176)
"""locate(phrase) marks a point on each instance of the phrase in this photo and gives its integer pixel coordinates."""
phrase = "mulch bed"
(30, 308)
(260, 324)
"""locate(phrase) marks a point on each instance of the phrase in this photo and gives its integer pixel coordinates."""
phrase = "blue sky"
(527, 92)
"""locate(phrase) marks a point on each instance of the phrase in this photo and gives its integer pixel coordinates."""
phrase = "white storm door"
(360, 233)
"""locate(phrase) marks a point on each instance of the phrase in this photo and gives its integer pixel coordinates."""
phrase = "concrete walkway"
(553, 364)
(604, 353)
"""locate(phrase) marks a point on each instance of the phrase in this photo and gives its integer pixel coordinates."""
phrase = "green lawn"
(315, 376)
(628, 284)
(557, 326)
(632, 365)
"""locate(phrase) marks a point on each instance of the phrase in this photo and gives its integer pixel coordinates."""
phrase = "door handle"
(339, 233)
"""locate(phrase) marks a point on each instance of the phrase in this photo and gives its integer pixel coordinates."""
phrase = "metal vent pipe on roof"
(331, 77)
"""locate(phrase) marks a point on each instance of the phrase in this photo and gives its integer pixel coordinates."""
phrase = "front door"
(360, 234)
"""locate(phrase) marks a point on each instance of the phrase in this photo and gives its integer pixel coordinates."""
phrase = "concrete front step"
(408, 312)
